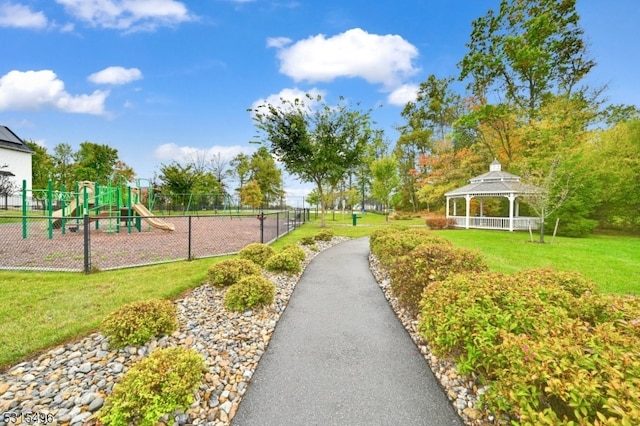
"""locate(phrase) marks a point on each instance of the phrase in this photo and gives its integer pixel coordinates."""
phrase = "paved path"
(340, 356)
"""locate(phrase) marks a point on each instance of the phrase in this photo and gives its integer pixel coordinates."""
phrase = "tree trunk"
(541, 229)
(323, 206)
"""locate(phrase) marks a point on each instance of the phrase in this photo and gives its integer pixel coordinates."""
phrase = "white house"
(15, 158)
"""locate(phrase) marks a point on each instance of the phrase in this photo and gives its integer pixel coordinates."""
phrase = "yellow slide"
(151, 219)
(69, 210)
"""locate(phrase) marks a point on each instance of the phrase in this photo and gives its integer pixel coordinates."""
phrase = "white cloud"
(34, 90)
(115, 75)
(403, 94)
(130, 15)
(378, 59)
(185, 154)
(278, 42)
(20, 16)
(288, 95)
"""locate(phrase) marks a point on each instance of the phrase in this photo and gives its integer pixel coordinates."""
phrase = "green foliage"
(249, 292)
(297, 251)
(257, 252)
(308, 241)
(427, 263)
(324, 235)
(391, 244)
(551, 350)
(286, 261)
(230, 271)
(138, 322)
(157, 385)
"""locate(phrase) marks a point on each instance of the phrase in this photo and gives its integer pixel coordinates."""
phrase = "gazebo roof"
(495, 182)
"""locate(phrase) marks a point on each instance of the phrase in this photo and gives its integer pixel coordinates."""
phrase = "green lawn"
(41, 309)
(612, 262)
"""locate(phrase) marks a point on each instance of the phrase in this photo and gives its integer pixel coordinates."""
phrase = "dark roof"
(9, 140)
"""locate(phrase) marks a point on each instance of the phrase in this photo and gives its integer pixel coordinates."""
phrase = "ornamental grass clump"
(138, 322)
(230, 271)
(551, 349)
(411, 273)
(286, 262)
(257, 252)
(250, 292)
(159, 384)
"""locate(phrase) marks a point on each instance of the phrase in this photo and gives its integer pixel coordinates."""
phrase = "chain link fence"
(103, 242)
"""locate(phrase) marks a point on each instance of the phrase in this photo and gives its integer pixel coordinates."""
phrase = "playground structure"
(107, 207)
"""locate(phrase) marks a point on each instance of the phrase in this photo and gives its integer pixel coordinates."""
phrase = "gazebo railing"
(502, 223)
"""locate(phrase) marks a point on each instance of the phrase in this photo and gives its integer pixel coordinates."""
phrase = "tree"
(241, 169)
(251, 195)
(179, 181)
(219, 168)
(529, 49)
(385, 180)
(264, 171)
(41, 165)
(430, 118)
(318, 145)
(7, 185)
(63, 159)
(99, 163)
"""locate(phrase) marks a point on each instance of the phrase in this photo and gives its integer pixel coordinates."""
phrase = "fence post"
(277, 225)
(189, 243)
(87, 244)
(261, 218)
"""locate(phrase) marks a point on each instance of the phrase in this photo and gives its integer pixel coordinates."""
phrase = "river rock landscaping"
(71, 381)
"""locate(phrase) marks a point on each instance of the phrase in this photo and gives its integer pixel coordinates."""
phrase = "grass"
(39, 310)
(612, 262)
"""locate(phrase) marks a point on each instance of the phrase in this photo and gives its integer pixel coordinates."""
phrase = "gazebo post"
(468, 210)
(447, 208)
(512, 198)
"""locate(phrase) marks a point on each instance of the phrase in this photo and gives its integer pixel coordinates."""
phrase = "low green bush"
(551, 350)
(257, 252)
(391, 245)
(157, 385)
(230, 271)
(427, 263)
(324, 235)
(286, 261)
(296, 250)
(307, 241)
(249, 292)
(138, 322)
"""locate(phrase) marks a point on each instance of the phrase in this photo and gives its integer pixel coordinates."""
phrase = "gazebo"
(493, 184)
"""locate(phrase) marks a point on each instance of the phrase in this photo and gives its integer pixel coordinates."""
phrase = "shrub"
(257, 252)
(138, 322)
(440, 222)
(307, 241)
(157, 385)
(249, 292)
(391, 245)
(324, 235)
(297, 251)
(286, 261)
(230, 271)
(526, 336)
(427, 263)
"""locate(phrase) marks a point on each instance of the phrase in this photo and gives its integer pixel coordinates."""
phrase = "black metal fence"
(102, 242)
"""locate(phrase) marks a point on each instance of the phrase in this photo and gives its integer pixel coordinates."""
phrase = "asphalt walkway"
(340, 356)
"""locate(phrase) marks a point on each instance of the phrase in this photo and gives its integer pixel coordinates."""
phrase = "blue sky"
(164, 80)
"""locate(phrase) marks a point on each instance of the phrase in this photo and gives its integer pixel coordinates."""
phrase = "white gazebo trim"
(495, 183)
